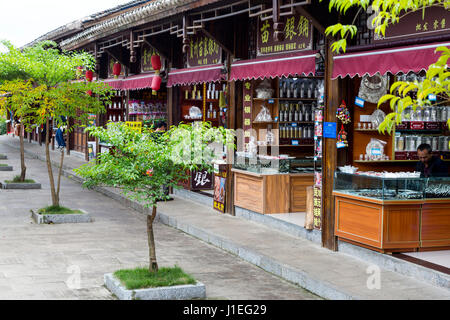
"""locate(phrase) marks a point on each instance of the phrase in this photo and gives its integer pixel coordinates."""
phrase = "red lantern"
(89, 75)
(156, 83)
(156, 62)
(117, 68)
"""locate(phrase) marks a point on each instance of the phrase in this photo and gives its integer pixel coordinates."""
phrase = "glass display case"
(274, 166)
(391, 188)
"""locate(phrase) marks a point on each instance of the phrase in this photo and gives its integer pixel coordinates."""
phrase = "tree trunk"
(22, 154)
(55, 200)
(151, 241)
(60, 173)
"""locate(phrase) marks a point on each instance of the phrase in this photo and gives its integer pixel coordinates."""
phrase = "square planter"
(181, 292)
(23, 186)
(6, 168)
(61, 218)
(3, 157)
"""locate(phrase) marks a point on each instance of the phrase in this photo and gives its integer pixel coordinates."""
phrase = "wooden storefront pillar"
(329, 162)
(231, 124)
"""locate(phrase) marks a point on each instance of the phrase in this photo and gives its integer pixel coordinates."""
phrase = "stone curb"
(3, 157)
(6, 168)
(22, 186)
(61, 218)
(181, 292)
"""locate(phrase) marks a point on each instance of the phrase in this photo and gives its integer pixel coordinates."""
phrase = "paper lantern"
(89, 75)
(156, 83)
(117, 68)
(156, 62)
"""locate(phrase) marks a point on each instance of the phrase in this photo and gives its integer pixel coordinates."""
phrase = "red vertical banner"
(247, 109)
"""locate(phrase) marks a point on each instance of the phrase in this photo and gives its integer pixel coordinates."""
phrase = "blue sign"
(432, 97)
(270, 101)
(359, 102)
(329, 130)
(295, 142)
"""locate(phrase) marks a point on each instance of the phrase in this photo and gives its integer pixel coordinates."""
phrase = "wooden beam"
(313, 20)
(329, 160)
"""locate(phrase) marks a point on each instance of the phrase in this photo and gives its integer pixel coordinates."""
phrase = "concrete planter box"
(13, 185)
(61, 218)
(3, 157)
(6, 168)
(181, 292)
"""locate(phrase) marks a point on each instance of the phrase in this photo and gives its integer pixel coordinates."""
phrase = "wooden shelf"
(308, 122)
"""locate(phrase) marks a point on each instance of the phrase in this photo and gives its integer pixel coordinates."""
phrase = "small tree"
(142, 164)
(40, 80)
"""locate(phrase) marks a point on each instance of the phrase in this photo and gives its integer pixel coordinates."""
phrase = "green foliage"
(58, 210)
(141, 163)
(140, 278)
(388, 12)
(2, 125)
(16, 179)
(437, 82)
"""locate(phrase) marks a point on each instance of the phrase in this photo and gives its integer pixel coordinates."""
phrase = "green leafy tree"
(39, 80)
(144, 164)
(389, 12)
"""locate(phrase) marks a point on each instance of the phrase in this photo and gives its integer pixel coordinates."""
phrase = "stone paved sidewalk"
(43, 261)
(333, 275)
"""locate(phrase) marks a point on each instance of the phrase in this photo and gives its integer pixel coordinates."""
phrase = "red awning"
(279, 66)
(393, 60)
(139, 81)
(116, 84)
(195, 75)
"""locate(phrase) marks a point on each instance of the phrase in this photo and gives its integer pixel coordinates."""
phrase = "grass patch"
(17, 180)
(58, 210)
(140, 278)
(3, 165)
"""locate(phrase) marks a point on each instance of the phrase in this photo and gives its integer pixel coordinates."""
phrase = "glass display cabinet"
(392, 214)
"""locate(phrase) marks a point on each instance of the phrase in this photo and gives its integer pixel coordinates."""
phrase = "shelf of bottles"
(297, 104)
(116, 111)
(423, 125)
(147, 109)
(205, 97)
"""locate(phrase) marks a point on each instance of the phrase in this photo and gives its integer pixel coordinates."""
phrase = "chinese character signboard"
(317, 208)
(220, 179)
(203, 51)
(247, 106)
(135, 125)
(297, 36)
(201, 180)
(146, 58)
(436, 21)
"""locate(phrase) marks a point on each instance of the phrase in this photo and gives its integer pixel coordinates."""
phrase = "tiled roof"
(123, 21)
(78, 25)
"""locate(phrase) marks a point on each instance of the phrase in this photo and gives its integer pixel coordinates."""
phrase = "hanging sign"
(203, 51)
(146, 58)
(434, 21)
(220, 179)
(359, 102)
(297, 36)
(201, 180)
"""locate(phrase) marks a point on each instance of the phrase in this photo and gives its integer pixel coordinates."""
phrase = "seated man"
(429, 165)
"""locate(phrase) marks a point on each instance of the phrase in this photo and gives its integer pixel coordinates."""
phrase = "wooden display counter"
(393, 225)
(271, 193)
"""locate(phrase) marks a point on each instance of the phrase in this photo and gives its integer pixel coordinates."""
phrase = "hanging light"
(89, 75)
(156, 62)
(156, 84)
(117, 68)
